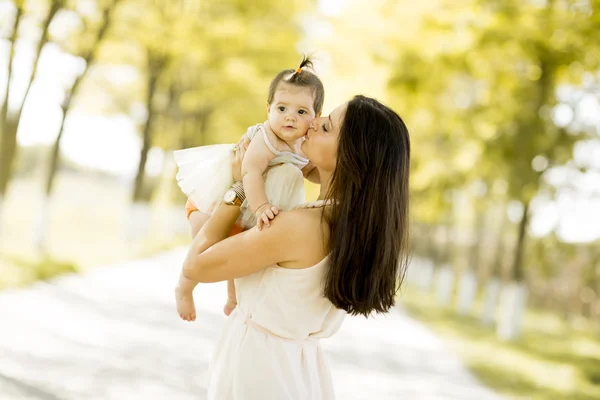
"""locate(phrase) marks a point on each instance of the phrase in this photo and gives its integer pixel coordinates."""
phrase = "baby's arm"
(255, 162)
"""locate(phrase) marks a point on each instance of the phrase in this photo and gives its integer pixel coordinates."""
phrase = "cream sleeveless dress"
(269, 348)
(204, 175)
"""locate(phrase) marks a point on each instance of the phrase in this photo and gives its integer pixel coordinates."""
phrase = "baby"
(295, 99)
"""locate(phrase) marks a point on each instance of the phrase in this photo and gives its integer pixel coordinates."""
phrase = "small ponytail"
(303, 76)
(306, 62)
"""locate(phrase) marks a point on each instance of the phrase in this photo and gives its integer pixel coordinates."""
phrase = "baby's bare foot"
(185, 305)
(229, 306)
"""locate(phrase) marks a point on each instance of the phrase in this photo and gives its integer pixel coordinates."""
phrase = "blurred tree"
(481, 77)
(522, 53)
(206, 68)
(84, 44)
(88, 43)
(9, 125)
(5, 138)
(530, 48)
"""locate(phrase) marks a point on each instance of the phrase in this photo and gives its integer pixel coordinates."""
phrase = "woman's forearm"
(214, 230)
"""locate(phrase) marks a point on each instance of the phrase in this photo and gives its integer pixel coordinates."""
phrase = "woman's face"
(321, 141)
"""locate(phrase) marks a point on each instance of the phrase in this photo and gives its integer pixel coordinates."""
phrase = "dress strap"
(315, 204)
(267, 141)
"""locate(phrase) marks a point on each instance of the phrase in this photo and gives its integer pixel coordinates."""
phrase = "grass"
(87, 228)
(552, 360)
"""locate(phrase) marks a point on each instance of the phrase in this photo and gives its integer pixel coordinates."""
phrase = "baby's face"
(291, 111)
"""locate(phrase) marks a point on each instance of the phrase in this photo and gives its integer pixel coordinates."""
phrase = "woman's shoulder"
(307, 233)
(308, 220)
(303, 218)
(304, 223)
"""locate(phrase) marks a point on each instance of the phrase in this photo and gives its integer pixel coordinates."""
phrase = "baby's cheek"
(275, 123)
(306, 124)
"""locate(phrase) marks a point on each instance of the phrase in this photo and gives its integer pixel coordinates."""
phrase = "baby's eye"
(281, 108)
(302, 112)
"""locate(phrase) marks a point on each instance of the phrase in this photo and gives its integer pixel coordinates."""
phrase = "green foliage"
(214, 57)
(489, 102)
(19, 271)
(479, 85)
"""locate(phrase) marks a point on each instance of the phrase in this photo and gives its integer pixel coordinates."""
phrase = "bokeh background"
(501, 98)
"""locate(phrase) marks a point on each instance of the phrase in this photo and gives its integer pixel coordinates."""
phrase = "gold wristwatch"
(235, 196)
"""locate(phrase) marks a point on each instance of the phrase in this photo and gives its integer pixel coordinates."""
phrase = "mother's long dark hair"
(369, 221)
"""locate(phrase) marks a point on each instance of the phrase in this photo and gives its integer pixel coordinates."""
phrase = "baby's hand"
(265, 214)
(185, 305)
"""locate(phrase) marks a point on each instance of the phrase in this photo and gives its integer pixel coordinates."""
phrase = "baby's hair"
(301, 77)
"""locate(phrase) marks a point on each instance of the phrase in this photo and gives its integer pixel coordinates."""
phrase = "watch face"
(229, 196)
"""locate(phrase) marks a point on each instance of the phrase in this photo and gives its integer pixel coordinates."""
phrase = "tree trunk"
(467, 290)
(9, 146)
(147, 140)
(139, 215)
(512, 303)
(517, 269)
(514, 296)
(492, 287)
(8, 142)
(426, 266)
(89, 59)
(490, 301)
(496, 269)
(475, 256)
(42, 225)
(445, 284)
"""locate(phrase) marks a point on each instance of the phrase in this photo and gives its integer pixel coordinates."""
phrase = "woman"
(298, 277)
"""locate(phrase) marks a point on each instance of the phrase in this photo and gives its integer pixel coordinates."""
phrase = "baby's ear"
(318, 115)
(268, 106)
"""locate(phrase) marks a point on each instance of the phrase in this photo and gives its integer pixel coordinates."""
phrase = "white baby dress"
(205, 175)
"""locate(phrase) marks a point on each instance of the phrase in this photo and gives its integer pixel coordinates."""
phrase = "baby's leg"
(231, 298)
(184, 290)
(197, 221)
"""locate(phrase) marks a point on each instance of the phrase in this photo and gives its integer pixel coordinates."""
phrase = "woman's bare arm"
(292, 241)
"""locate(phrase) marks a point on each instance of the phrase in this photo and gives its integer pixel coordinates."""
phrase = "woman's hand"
(238, 155)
